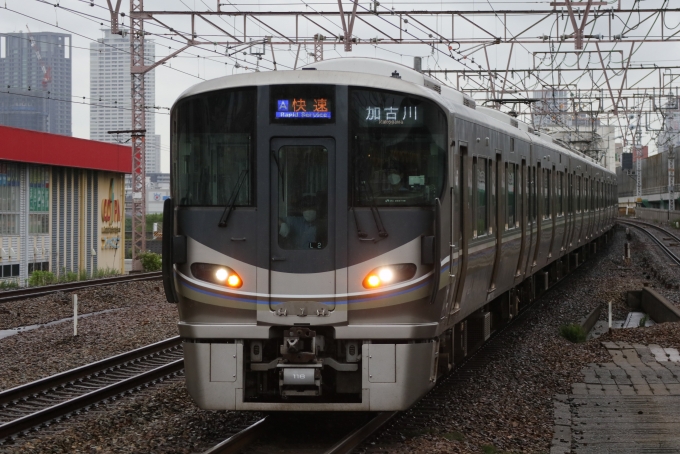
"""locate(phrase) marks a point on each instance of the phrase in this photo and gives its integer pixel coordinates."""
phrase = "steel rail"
(47, 383)
(30, 292)
(240, 440)
(34, 394)
(353, 440)
(658, 242)
(85, 400)
(667, 232)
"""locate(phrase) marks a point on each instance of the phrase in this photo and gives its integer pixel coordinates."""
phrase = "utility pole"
(318, 47)
(637, 143)
(137, 70)
(671, 180)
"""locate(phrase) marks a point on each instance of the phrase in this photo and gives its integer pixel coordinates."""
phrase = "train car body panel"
(343, 233)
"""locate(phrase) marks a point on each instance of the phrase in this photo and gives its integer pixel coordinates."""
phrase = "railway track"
(29, 292)
(417, 418)
(41, 403)
(642, 226)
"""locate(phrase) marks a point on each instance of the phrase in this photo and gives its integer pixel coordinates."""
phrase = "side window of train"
(511, 192)
(560, 180)
(481, 172)
(533, 199)
(546, 193)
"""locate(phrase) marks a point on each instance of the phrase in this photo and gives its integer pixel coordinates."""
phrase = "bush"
(41, 278)
(573, 333)
(9, 285)
(105, 272)
(150, 261)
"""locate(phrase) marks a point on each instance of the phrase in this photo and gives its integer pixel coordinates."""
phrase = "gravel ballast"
(506, 407)
(143, 316)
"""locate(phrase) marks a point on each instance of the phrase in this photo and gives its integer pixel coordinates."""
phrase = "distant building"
(157, 190)
(645, 153)
(110, 92)
(669, 138)
(618, 147)
(554, 113)
(35, 68)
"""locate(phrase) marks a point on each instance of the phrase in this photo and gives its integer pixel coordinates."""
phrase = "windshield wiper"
(283, 181)
(232, 202)
(382, 231)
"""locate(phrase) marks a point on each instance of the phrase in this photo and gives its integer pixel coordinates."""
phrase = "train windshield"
(214, 146)
(398, 149)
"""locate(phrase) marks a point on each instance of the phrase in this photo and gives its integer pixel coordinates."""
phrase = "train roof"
(361, 71)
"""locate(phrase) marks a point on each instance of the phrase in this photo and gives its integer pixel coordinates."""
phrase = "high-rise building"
(110, 93)
(35, 76)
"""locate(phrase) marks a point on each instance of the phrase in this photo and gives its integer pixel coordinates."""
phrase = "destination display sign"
(302, 104)
(384, 109)
(292, 108)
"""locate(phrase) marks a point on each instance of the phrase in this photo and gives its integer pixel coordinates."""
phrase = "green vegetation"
(573, 333)
(41, 278)
(454, 436)
(150, 261)
(150, 219)
(38, 278)
(105, 272)
(643, 321)
(9, 285)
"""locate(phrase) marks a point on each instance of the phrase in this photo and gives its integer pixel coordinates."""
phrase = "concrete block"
(579, 388)
(627, 390)
(643, 390)
(659, 389)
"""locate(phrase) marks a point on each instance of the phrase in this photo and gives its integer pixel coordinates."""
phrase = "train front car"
(304, 206)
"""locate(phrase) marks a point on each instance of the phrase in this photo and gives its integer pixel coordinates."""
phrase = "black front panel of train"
(305, 172)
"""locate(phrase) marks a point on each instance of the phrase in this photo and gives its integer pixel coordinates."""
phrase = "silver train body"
(339, 236)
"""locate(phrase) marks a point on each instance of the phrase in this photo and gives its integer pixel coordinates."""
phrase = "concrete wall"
(653, 214)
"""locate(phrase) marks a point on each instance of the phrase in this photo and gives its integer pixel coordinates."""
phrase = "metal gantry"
(613, 88)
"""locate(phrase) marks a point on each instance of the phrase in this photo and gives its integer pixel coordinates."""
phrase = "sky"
(84, 19)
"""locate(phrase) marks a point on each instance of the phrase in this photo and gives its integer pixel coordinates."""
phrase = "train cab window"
(398, 149)
(546, 193)
(213, 147)
(511, 204)
(303, 197)
(481, 172)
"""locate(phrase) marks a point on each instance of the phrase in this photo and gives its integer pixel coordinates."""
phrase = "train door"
(456, 231)
(465, 221)
(499, 195)
(304, 275)
(524, 219)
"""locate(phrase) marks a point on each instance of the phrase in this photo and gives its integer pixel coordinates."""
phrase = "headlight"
(216, 274)
(390, 274)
